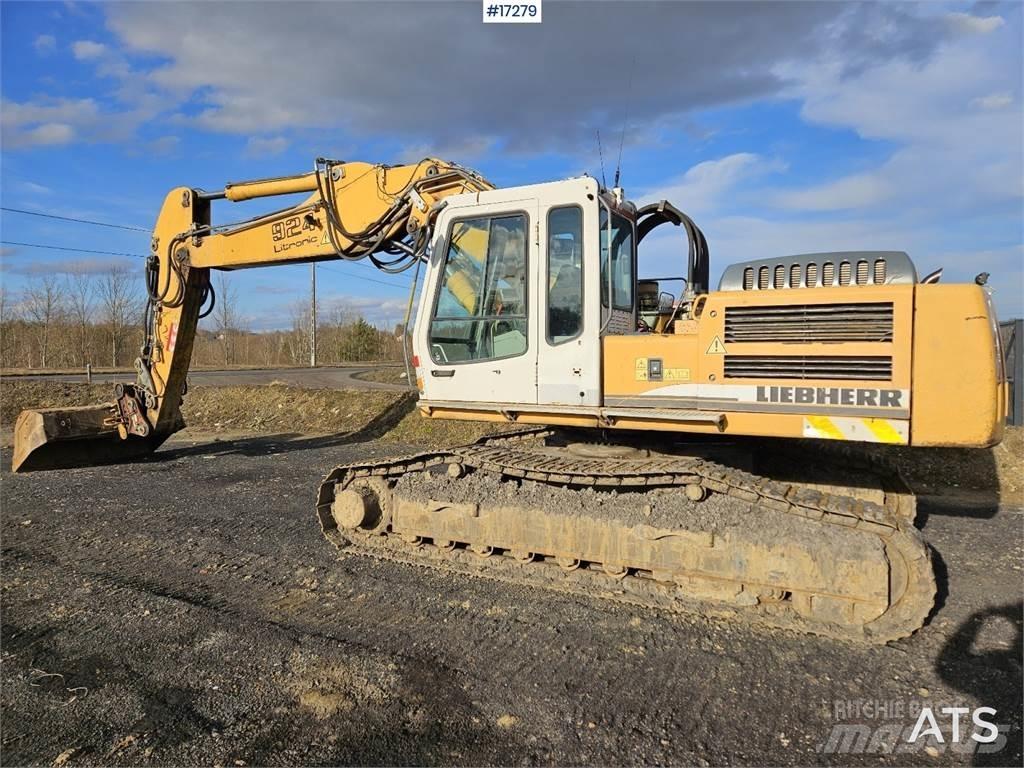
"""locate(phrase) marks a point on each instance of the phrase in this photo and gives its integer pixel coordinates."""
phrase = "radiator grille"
(798, 367)
(844, 273)
(810, 323)
(820, 270)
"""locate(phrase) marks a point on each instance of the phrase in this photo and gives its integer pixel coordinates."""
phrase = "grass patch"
(15, 396)
(276, 408)
(259, 410)
(415, 429)
(382, 375)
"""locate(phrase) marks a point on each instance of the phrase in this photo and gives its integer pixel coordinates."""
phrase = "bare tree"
(297, 341)
(226, 319)
(8, 325)
(341, 314)
(44, 304)
(120, 307)
(82, 304)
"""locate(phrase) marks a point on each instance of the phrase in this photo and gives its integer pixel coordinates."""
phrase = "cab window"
(565, 273)
(620, 235)
(480, 311)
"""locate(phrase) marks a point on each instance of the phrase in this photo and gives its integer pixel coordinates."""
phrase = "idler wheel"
(356, 508)
(364, 505)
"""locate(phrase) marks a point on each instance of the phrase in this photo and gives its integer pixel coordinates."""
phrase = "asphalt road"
(316, 378)
(185, 610)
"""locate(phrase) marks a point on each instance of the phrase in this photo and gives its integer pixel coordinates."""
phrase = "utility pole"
(312, 316)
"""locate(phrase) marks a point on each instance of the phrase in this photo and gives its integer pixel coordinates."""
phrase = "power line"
(142, 256)
(77, 221)
(360, 277)
(76, 250)
(139, 229)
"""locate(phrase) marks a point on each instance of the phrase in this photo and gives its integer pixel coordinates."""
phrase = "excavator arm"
(353, 211)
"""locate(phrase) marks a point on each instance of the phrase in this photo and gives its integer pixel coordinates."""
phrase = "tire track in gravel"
(396, 664)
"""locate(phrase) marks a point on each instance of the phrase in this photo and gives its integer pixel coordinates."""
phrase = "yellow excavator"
(629, 473)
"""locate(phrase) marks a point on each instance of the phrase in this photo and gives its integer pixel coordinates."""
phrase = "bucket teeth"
(62, 438)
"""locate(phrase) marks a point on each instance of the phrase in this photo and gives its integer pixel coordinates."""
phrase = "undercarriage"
(679, 528)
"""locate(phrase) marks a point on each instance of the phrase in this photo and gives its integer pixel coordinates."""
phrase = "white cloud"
(375, 310)
(703, 187)
(48, 134)
(992, 101)
(45, 44)
(693, 56)
(86, 266)
(34, 189)
(237, 71)
(64, 110)
(954, 120)
(84, 50)
(465, 150)
(975, 25)
(48, 121)
(258, 146)
(858, 191)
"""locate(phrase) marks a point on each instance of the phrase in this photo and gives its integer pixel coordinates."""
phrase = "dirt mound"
(258, 410)
(277, 408)
(15, 396)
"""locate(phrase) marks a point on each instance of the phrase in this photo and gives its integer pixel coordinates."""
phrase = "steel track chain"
(903, 543)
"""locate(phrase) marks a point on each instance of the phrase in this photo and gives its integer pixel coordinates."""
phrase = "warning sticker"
(677, 374)
(641, 369)
(172, 337)
(717, 347)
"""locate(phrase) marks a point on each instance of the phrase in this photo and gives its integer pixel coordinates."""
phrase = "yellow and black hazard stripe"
(863, 430)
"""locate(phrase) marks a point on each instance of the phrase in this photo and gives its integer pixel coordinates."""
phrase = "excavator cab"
(577, 269)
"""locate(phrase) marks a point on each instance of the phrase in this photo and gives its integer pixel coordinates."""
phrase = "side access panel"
(960, 393)
(831, 363)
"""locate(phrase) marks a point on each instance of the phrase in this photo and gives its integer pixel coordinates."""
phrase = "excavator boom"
(353, 211)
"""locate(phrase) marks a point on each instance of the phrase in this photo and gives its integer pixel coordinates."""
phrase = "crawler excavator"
(629, 471)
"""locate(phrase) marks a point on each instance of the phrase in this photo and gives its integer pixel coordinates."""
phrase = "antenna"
(601, 155)
(625, 120)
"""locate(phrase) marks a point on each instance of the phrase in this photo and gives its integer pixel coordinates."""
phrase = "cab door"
(569, 358)
(476, 335)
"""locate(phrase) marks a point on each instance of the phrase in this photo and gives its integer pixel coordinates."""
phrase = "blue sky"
(781, 128)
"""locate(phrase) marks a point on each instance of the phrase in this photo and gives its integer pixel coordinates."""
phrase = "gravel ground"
(185, 610)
